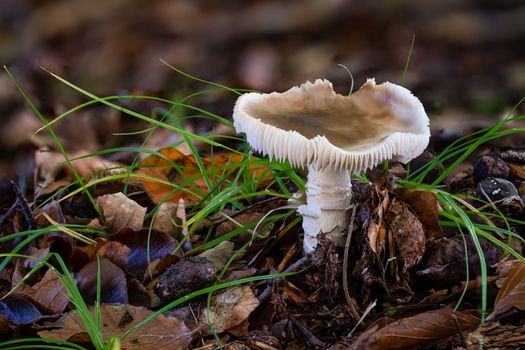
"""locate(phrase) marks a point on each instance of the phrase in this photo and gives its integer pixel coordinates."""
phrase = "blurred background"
(467, 66)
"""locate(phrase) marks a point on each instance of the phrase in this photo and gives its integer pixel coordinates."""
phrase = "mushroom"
(335, 136)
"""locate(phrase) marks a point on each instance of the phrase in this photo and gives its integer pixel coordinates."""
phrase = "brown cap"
(312, 125)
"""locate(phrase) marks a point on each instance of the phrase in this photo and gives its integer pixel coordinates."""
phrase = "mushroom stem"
(328, 194)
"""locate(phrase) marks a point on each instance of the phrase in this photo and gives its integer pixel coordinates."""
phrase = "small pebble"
(496, 189)
(490, 166)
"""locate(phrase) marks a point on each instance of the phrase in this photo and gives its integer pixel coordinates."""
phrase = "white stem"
(328, 195)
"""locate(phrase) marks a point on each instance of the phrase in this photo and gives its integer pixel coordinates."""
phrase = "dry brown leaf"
(425, 206)
(165, 219)
(113, 286)
(244, 218)
(512, 292)
(160, 246)
(51, 167)
(417, 330)
(161, 333)
(16, 310)
(517, 170)
(219, 254)
(294, 293)
(376, 222)
(408, 233)
(114, 251)
(47, 169)
(175, 167)
(229, 309)
(49, 294)
(241, 330)
(121, 212)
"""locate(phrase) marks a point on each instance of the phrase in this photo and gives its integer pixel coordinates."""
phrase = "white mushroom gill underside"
(312, 125)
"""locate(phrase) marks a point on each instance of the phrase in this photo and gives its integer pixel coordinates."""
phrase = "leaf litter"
(406, 259)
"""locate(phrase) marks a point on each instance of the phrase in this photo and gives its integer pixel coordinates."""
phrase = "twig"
(21, 205)
(9, 213)
(312, 339)
(353, 311)
(516, 339)
(299, 264)
(287, 257)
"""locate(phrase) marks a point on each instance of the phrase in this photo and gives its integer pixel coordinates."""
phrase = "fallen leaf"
(53, 210)
(229, 309)
(417, 330)
(172, 166)
(425, 206)
(164, 167)
(512, 292)
(219, 254)
(113, 286)
(115, 251)
(408, 233)
(5, 325)
(121, 212)
(18, 310)
(161, 333)
(48, 165)
(376, 222)
(244, 218)
(240, 330)
(49, 294)
(517, 170)
(166, 219)
(295, 294)
(52, 168)
(160, 245)
(137, 293)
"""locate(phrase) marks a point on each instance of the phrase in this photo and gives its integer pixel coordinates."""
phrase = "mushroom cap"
(312, 125)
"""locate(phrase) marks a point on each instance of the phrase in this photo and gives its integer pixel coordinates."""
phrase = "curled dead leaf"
(425, 206)
(407, 232)
(294, 293)
(113, 286)
(375, 239)
(166, 219)
(121, 212)
(229, 309)
(417, 330)
(49, 294)
(512, 292)
(219, 254)
(53, 172)
(17, 310)
(160, 246)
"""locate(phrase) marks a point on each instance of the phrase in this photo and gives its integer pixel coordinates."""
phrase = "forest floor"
(188, 240)
(141, 220)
